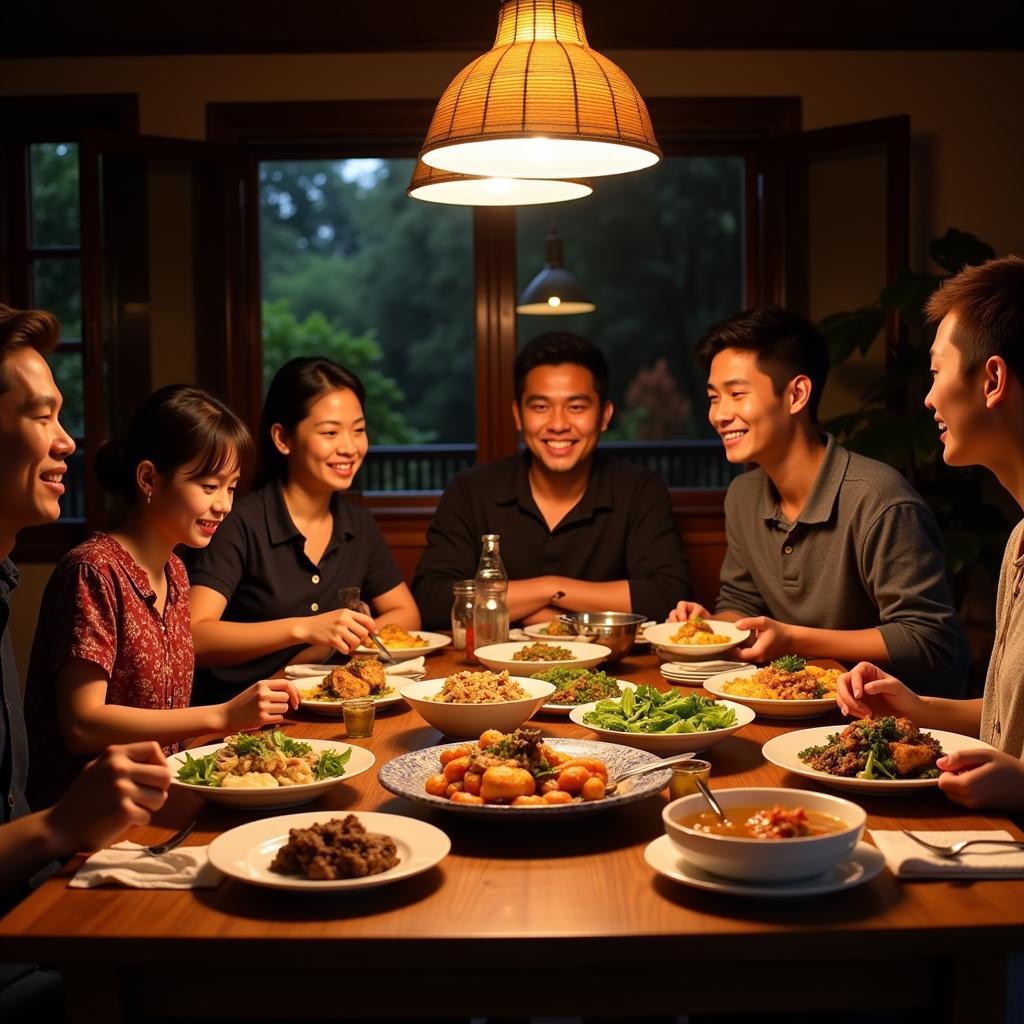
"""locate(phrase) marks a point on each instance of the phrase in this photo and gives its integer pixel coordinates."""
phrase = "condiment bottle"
(490, 588)
(462, 613)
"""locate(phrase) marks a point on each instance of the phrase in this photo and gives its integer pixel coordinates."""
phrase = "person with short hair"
(977, 398)
(830, 554)
(579, 531)
(125, 784)
(112, 660)
(266, 590)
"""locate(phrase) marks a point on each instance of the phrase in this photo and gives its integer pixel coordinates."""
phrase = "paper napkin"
(128, 864)
(907, 859)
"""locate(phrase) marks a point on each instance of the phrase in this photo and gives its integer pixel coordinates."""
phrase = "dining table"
(528, 916)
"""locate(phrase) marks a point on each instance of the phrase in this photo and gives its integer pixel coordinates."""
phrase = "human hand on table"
(121, 787)
(982, 778)
(342, 629)
(867, 691)
(263, 703)
(686, 610)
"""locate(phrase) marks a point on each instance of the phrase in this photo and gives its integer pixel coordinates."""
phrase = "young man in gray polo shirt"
(830, 554)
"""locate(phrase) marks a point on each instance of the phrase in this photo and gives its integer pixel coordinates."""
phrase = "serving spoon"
(709, 796)
(643, 769)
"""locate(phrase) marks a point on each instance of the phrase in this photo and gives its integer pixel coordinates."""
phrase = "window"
(354, 270)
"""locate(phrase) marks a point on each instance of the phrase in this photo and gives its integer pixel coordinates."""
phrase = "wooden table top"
(579, 883)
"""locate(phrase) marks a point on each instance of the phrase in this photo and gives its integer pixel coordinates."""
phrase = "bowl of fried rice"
(466, 703)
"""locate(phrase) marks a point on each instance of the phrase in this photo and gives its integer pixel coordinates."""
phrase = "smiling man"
(830, 554)
(579, 531)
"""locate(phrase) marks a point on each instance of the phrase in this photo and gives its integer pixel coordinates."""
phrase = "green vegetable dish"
(647, 710)
(578, 685)
(263, 760)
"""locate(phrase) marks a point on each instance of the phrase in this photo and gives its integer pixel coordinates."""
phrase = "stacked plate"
(693, 673)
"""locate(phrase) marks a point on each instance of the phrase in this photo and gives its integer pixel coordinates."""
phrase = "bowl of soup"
(768, 835)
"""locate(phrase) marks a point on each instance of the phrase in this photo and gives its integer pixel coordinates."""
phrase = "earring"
(149, 498)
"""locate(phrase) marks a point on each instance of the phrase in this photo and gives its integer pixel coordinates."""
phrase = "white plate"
(659, 636)
(662, 743)
(405, 776)
(783, 749)
(564, 709)
(498, 657)
(435, 641)
(665, 858)
(359, 761)
(769, 707)
(245, 852)
(334, 708)
(537, 631)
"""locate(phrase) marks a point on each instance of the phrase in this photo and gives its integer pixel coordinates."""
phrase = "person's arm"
(396, 605)
(218, 642)
(773, 639)
(738, 592)
(451, 555)
(88, 723)
(122, 787)
(904, 572)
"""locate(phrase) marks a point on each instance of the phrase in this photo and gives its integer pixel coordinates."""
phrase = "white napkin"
(127, 864)
(519, 634)
(412, 667)
(906, 859)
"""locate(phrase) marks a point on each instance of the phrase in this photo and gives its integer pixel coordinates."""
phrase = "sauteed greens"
(648, 710)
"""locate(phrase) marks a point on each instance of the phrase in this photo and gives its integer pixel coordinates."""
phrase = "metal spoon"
(643, 769)
(709, 796)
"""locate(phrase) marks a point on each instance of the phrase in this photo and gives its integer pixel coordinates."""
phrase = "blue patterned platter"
(405, 776)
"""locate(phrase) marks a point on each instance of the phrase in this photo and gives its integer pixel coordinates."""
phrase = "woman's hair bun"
(114, 468)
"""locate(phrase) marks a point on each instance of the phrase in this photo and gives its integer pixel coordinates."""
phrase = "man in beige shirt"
(977, 396)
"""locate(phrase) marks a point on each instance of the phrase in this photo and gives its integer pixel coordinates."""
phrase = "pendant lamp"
(434, 186)
(541, 104)
(554, 291)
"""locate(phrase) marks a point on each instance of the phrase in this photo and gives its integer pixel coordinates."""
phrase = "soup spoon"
(709, 796)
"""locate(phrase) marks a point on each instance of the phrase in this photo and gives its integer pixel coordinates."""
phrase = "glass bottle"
(462, 613)
(490, 589)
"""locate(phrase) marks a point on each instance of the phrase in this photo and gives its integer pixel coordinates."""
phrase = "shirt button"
(788, 549)
(316, 579)
(10, 799)
(314, 607)
(169, 701)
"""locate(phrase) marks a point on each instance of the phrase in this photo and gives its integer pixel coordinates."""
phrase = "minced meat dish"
(339, 848)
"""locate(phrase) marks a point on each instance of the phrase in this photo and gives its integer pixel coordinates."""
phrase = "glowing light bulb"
(554, 302)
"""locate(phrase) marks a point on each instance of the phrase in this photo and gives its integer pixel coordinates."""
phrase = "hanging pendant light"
(435, 186)
(554, 291)
(541, 104)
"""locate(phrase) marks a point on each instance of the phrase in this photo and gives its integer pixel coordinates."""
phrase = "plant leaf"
(958, 249)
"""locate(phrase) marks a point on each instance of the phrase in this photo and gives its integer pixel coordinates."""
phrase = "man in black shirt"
(579, 531)
(124, 784)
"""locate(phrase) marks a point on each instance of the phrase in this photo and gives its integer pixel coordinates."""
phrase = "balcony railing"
(429, 467)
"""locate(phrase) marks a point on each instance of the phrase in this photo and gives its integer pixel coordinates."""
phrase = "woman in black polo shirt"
(265, 591)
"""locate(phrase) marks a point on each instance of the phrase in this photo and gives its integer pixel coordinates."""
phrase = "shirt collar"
(824, 493)
(136, 574)
(281, 527)
(515, 488)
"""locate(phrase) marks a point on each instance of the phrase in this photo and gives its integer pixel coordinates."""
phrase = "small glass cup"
(685, 776)
(358, 714)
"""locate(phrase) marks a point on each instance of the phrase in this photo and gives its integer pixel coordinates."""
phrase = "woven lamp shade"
(541, 104)
(435, 186)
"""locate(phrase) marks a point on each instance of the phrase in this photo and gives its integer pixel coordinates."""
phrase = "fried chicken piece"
(371, 671)
(910, 758)
(344, 685)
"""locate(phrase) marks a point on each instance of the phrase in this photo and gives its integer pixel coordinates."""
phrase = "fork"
(955, 849)
(174, 841)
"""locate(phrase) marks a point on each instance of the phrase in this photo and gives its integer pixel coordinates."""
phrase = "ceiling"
(48, 28)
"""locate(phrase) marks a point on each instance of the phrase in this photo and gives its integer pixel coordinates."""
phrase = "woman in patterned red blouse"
(112, 660)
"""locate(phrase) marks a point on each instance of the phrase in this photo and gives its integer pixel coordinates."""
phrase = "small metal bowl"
(616, 630)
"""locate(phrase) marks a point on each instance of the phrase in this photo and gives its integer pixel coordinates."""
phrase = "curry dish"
(695, 630)
(786, 678)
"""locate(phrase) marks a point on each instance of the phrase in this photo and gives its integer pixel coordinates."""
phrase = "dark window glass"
(67, 372)
(54, 184)
(57, 285)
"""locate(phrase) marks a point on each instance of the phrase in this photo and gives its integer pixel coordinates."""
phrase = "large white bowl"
(498, 657)
(666, 743)
(468, 721)
(766, 859)
(659, 635)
